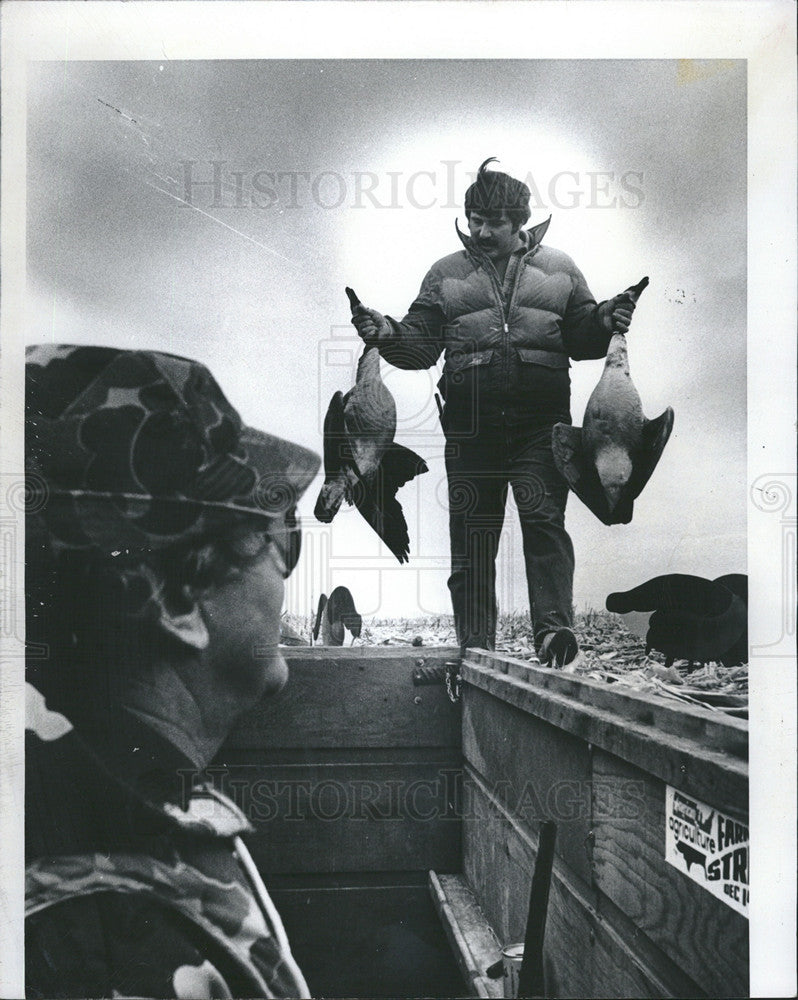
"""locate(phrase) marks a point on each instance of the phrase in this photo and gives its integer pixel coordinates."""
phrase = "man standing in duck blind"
(508, 312)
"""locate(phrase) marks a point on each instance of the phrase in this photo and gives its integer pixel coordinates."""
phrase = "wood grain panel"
(703, 935)
(590, 949)
(352, 817)
(369, 941)
(537, 771)
(353, 697)
(680, 759)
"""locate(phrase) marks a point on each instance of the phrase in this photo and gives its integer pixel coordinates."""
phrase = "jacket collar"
(126, 773)
(532, 238)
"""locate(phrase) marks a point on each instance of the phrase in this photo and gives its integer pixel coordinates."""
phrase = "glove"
(370, 324)
(615, 315)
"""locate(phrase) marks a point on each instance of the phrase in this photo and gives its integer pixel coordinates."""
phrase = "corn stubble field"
(609, 652)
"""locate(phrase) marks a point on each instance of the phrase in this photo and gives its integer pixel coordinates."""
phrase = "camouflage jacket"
(137, 881)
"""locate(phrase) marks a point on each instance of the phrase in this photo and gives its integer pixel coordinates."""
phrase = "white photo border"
(761, 32)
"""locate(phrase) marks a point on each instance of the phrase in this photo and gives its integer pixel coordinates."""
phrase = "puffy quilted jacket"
(507, 344)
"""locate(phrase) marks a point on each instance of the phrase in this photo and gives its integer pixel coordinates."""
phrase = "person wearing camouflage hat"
(160, 531)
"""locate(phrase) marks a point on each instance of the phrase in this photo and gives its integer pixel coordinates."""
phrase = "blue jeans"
(480, 467)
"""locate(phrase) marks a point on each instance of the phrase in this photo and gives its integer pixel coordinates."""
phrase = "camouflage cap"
(142, 449)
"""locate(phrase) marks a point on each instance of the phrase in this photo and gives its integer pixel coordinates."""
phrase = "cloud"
(326, 167)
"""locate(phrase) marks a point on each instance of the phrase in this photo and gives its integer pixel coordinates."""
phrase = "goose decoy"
(609, 460)
(362, 463)
(694, 619)
(335, 614)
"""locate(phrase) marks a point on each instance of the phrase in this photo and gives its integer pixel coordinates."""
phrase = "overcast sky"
(343, 172)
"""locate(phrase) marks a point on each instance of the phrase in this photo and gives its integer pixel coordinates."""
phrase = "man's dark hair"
(494, 192)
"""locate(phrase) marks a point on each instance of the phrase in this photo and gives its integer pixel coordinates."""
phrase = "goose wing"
(377, 501)
(336, 438)
(337, 460)
(654, 437)
(580, 473)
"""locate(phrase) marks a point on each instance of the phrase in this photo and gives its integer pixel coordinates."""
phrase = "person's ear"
(185, 624)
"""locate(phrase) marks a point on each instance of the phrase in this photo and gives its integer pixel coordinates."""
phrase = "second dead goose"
(609, 460)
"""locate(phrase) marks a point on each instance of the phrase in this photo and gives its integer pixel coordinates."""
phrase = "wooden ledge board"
(471, 937)
(714, 728)
(338, 653)
(686, 747)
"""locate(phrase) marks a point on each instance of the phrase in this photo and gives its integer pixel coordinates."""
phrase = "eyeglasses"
(283, 539)
(288, 544)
